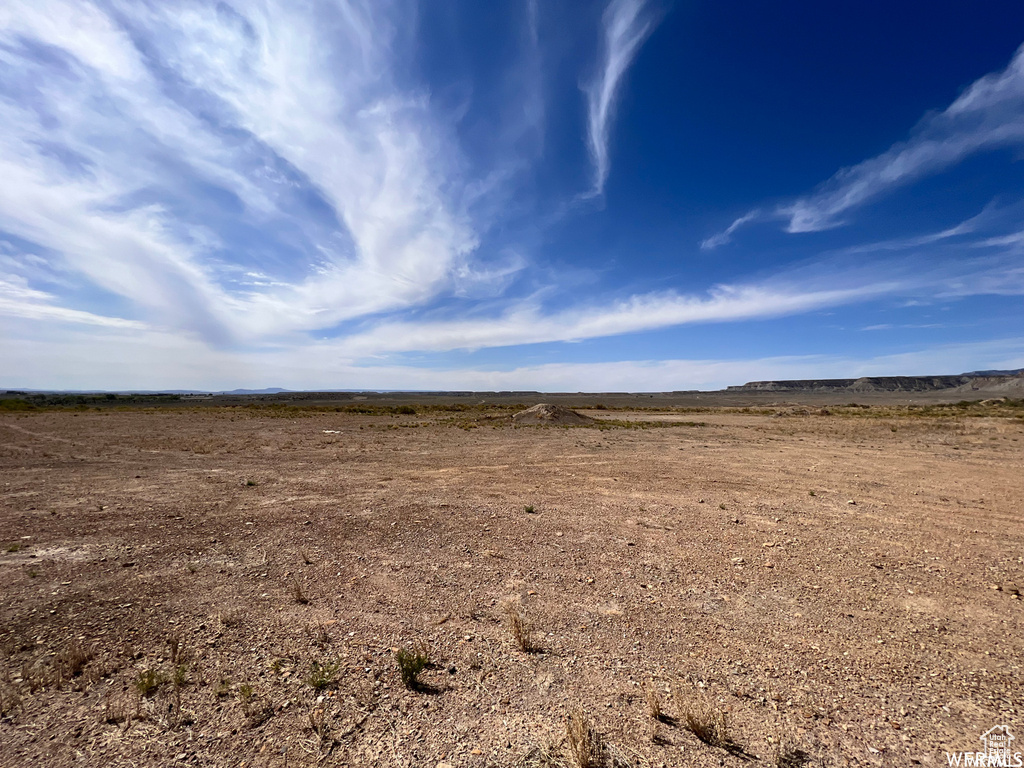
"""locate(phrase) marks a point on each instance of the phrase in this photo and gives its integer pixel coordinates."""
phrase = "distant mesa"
(546, 413)
(977, 381)
(1016, 372)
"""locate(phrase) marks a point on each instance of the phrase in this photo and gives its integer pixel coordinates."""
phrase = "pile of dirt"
(546, 413)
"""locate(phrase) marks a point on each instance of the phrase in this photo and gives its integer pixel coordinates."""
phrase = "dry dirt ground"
(226, 588)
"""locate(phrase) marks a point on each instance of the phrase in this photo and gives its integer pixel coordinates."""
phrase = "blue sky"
(551, 195)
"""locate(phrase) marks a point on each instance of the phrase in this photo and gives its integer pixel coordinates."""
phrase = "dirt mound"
(546, 413)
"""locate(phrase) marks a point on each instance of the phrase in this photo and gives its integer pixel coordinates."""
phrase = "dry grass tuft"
(297, 594)
(520, 627)
(148, 682)
(119, 708)
(788, 755)
(10, 699)
(318, 635)
(255, 709)
(320, 725)
(655, 709)
(230, 616)
(33, 673)
(711, 726)
(585, 744)
(71, 660)
(707, 724)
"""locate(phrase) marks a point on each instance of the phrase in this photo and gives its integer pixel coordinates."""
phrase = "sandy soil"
(178, 583)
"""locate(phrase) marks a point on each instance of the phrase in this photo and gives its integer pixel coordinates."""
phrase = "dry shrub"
(585, 744)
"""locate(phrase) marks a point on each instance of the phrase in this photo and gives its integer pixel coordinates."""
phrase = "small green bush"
(410, 664)
(322, 674)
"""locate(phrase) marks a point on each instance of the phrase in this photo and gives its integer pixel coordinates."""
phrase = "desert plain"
(778, 584)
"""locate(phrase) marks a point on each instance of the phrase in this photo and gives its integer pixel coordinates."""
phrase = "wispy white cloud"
(19, 301)
(529, 324)
(298, 88)
(893, 326)
(626, 26)
(320, 92)
(808, 288)
(988, 115)
(725, 236)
